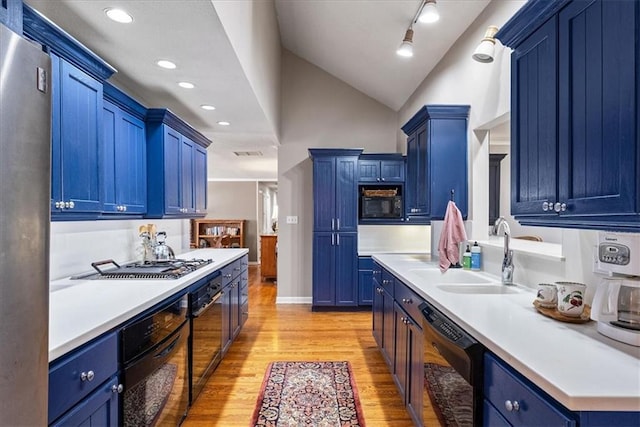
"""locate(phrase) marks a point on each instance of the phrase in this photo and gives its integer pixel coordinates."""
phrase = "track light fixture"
(406, 47)
(426, 13)
(484, 51)
(429, 13)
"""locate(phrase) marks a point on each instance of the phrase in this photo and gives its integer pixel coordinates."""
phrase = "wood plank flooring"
(291, 333)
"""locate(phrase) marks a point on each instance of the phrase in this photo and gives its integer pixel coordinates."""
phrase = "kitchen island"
(582, 370)
(81, 310)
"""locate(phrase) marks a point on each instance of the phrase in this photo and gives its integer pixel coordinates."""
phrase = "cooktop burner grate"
(171, 269)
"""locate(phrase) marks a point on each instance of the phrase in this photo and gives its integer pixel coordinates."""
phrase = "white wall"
(76, 244)
(318, 111)
(252, 28)
(459, 80)
(236, 200)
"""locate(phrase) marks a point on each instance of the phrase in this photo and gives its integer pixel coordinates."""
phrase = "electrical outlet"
(292, 219)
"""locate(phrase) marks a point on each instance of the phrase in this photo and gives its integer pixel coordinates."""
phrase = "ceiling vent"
(248, 153)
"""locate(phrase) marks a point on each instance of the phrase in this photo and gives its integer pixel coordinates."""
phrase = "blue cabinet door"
(369, 170)
(400, 359)
(186, 175)
(534, 122)
(324, 290)
(123, 162)
(324, 187)
(391, 170)
(98, 409)
(172, 148)
(346, 194)
(11, 15)
(226, 318)
(378, 310)
(200, 180)
(388, 327)
(417, 186)
(598, 107)
(346, 269)
(77, 135)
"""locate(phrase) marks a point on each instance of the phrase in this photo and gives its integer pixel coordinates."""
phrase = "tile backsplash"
(75, 245)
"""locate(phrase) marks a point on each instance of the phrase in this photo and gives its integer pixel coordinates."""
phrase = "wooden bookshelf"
(217, 233)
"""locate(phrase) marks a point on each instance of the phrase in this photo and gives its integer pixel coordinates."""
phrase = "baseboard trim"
(293, 300)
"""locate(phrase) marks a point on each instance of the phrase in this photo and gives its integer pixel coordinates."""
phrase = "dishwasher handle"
(205, 307)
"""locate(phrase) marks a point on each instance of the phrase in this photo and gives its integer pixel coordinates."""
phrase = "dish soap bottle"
(476, 257)
(466, 259)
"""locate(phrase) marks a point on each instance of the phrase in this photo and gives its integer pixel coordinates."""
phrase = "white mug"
(547, 295)
(571, 298)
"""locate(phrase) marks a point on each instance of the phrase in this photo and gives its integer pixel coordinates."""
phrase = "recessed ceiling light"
(186, 85)
(208, 107)
(223, 123)
(166, 64)
(118, 15)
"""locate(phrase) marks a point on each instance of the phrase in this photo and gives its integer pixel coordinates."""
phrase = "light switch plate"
(292, 219)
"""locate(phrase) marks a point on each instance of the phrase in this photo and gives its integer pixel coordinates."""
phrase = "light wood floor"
(293, 333)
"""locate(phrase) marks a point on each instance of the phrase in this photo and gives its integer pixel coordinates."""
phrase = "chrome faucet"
(507, 261)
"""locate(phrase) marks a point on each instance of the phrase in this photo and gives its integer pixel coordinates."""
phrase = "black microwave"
(381, 207)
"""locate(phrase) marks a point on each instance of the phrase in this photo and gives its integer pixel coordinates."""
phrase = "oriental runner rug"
(318, 394)
(451, 396)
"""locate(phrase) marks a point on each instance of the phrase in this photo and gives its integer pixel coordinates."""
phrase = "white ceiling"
(354, 40)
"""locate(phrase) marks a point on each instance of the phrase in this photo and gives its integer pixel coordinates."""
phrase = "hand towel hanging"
(453, 233)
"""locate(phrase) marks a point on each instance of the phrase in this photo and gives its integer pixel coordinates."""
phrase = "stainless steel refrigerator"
(25, 152)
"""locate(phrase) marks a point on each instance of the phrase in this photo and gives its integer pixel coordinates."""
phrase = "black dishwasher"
(453, 370)
(154, 354)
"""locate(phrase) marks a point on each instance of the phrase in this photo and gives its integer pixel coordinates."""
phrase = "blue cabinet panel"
(324, 187)
(346, 268)
(575, 96)
(68, 377)
(381, 168)
(534, 112)
(200, 179)
(177, 165)
(11, 15)
(99, 409)
(436, 162)
(598, 113)
(365, 280)
(369, 170)
(324, 289)
(123, 162)
(392, 170)
(76, 139)
(346, 194)
(502, 384)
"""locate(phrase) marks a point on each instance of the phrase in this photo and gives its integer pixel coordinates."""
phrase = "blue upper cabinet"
(335, 189)
(177, 167)
(436, 162)
(381, 168)
(11, 15)
(123, 159)
(77, 136)
(575, 117)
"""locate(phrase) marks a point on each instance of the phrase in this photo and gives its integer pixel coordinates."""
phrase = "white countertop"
(582, 369)
(80, 310)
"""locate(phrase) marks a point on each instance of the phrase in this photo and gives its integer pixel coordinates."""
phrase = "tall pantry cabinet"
(335, 227)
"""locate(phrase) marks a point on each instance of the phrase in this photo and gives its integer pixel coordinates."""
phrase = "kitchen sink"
(493, 289)
(434, 276)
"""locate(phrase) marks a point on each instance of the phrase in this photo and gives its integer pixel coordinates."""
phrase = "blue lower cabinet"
(78, 382)
(518, 401)
(98, 409)
(335, 269)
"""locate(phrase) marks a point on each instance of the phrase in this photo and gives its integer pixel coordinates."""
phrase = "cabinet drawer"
(503, 387)
(230, 272)
(408, 300)
(66, 386)
(387, 281)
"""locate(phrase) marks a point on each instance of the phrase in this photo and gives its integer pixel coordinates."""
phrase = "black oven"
(155, 359)
(380, 202)
(453, 371)
(205, 308)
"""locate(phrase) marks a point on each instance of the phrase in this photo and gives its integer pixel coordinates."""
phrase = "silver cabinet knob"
(407, 300)
(117, 388)
(87, 376)
(378, 179)
(381, 179)
(546, 206)
(59, 205)
(512, 406)
(560, 207)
